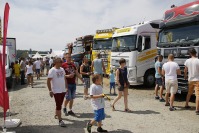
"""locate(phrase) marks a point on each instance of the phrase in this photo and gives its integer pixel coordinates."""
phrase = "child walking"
(97, 102)
(112, 82)
(86, 72)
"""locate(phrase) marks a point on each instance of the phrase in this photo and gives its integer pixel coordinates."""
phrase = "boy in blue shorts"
(97, 102)
(112, 81)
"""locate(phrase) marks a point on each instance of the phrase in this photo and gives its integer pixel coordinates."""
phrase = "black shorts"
(121, 88)
(30, 74)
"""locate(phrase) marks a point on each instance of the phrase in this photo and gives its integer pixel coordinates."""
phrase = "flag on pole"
(0, 33)
(4, 99)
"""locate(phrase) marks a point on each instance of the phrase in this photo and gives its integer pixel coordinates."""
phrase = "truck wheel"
(149, 79)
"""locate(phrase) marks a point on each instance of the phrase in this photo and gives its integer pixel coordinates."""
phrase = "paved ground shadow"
(88, 115)
(7, 114)
(118, 131)
(77, 127)
(144, 112)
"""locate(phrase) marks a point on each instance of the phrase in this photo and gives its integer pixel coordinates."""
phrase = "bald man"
(171, 69)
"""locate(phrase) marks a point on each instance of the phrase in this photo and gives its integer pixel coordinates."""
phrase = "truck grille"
(182, 83)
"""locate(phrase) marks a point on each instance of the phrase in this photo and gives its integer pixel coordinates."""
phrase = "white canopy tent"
(37, 55)
(57, 53)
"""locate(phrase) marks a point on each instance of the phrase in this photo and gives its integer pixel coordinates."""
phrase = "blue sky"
(45, 24)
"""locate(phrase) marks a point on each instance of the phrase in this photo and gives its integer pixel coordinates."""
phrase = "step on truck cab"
(137, 45)
(179, 31)
(102, 44)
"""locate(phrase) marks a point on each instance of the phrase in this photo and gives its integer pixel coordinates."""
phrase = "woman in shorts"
(123, 84)
(29, 73)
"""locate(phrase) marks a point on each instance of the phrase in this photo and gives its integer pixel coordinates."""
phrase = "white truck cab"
(137, 45)
(8, 69)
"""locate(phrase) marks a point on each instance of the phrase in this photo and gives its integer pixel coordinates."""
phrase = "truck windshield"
(79, 49)
(102, 44)
(180, 34)
(124, 43)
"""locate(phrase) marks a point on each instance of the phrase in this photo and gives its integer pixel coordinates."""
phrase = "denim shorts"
(112, 85)
(159, 82)
(37, 71)
(70, 94)
(99, 115)
(86, 83)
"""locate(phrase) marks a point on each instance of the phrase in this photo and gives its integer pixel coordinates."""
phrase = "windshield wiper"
(126, 49)
(115, 49)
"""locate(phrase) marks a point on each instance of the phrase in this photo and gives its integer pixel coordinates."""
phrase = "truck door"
(144, 45)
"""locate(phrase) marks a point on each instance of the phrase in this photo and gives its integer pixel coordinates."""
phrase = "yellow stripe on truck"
(148, 55)
(151, 51)
(123, 30)
(103, 35)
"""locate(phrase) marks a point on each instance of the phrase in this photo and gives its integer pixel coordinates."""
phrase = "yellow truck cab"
(102, 44)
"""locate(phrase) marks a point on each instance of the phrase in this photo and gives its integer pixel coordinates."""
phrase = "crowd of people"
(27, 68)
(61, 84)
(166, 77)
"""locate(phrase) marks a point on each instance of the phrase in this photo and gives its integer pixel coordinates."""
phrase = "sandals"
(127, 110)
(113, 108)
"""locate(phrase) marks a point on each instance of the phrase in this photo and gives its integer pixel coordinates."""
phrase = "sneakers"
(99, 129)
(157, 97)
(62, 124)
(65, 111)
(85, 97)
(71, 113)
(167, 104)
(88, 127)
(162, 100)
(172, 108)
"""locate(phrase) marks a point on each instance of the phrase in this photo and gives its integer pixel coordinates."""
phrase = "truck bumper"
(132, 77)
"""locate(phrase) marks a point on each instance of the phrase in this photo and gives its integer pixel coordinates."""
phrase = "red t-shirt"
(69, 69)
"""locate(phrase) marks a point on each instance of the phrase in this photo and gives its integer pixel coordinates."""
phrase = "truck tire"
(149, 78)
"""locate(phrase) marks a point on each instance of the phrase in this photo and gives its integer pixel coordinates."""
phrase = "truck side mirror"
(143, 43)
(139, 46)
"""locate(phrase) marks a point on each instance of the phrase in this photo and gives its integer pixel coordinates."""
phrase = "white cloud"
(45, 24)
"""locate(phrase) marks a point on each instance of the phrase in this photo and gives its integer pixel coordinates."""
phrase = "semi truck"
(102, 44)
(10, 56)
(137, 45)
(179, 31)
(82, 47)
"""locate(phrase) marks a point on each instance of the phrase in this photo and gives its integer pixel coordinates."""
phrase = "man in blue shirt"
(98, 66)
(159, 79)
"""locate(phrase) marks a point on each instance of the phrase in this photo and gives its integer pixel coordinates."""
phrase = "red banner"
(3, 89)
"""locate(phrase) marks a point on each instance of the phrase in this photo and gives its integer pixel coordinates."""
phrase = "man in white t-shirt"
(192, 66)
(171, 69)
(38, 67)
(57, 83)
